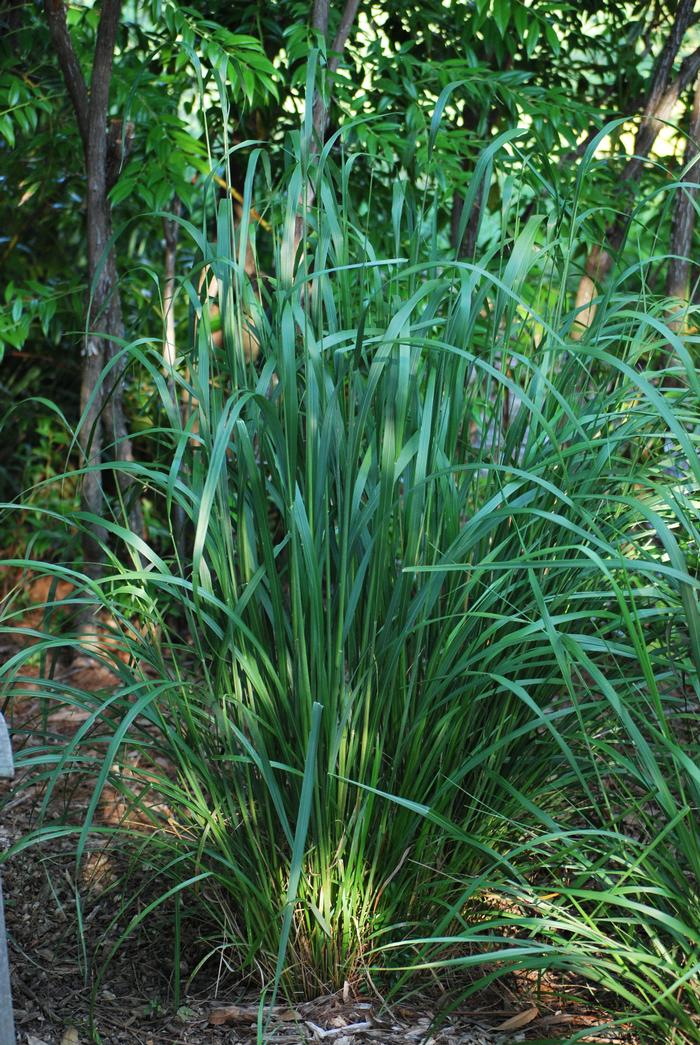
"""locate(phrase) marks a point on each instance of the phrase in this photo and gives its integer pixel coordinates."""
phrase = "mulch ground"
(54, 999)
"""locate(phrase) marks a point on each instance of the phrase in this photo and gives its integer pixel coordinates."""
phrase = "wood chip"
(334, 1033)
(287, 1015)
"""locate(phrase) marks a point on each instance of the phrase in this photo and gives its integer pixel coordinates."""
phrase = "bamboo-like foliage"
(418, 695)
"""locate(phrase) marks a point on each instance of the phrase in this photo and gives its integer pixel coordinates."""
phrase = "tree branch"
(341, 37)
(321, 106)
(662, 95)
(684, 210)
(70, 67)
(664, 63)
(101, 79)
(320, 110)
(658, 108)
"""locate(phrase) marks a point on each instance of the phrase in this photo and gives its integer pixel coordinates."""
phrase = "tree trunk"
(116, 432)
(101, 408)
(171, 232)
(661, 99)
(479, 124)
(683, 225)
(319, 21)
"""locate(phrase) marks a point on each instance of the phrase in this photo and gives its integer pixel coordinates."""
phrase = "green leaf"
(533, 35)
(501, 14)
(520, 18)
(7, 130)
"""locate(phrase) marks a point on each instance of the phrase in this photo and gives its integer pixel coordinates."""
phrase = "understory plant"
(407, 679)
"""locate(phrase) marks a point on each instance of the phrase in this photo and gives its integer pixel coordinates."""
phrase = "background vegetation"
(350, 398)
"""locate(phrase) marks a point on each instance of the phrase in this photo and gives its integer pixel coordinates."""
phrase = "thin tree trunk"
(682, 229)
(659, 106)
(119, 140)
(171, 233)
(683, 224)
(115, 426)
(321, 106)
(104, 306)
(479, 124)
(466, 247)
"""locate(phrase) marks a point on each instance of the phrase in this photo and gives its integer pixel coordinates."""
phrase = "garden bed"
(54, 1003)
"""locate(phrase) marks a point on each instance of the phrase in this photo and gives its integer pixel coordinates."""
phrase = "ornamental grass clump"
(417, 682)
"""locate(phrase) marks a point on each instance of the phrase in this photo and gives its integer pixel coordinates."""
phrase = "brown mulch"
(51, 974)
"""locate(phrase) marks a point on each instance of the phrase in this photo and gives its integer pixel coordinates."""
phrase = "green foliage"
(172, 70)
(194, 81)
(415, 695)
(406, 661)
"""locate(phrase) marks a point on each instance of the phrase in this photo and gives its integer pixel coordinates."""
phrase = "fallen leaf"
(520, 1020)
(229, 1014)
(31, 1040)
(70, 1036)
